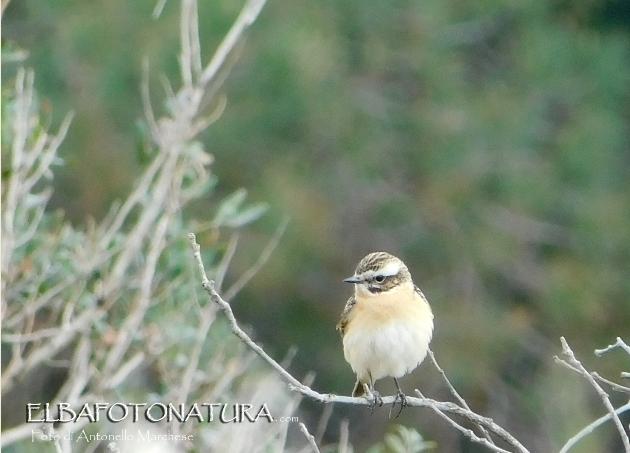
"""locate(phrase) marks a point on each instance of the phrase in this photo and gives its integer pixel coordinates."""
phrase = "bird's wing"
(419, 292)
(345, 315)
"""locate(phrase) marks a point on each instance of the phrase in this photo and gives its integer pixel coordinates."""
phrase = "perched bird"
(386, 326)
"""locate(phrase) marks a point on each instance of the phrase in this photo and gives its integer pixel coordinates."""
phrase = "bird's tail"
(359, 389)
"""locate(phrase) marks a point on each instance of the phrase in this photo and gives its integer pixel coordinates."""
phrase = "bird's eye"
(380, 278)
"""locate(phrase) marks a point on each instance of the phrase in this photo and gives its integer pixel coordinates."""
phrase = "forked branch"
(444, 407)
(571, 361)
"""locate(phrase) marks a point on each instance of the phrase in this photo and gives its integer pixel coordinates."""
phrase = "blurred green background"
(487, 143)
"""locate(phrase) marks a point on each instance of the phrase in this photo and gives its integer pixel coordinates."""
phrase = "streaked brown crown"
(382, 271)
(373, 262)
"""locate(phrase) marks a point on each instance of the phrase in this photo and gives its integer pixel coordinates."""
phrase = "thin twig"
(143, 299)
(572, 360)
(309, 438)
(244, 279)
(50, 348)
(296, 385)
(344, 436)
(613, 385)
(145, 92)
(591, 427)
(224, 264)
(323, 422)
(619, 343)
(455, 393)
(465, 431)
(120, 255)
(157, 10)
(247, 17)
(125, 370)
(206, 319)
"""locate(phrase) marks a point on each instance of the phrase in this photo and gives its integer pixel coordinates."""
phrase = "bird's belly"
(393, 348)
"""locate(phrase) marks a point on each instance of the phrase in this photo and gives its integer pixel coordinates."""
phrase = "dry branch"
(296, 385)
(117, 259)
(573, 363)
(466, 431)
(619, 343)
(309, 437)
(455, 393)
(591, 427)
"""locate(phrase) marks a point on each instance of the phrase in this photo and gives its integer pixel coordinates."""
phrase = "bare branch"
(138, 311)
(455, 393)
(613, 385)
(619, 343)
(31, 336)
(206, 320)
(226, 260)
(323, 422)
(576, 364)
(125, 370)
(195, 46)
(234, 368)
(157, 10)
(309, 438)
(296, 385)
(247, 17)
(591, 427)
(344, 435)
(145, 91)
(33, 151)
(233, 290)
(465, 431)
(51, 348)
(54, 307)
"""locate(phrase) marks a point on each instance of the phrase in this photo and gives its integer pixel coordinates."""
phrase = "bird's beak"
(353, 279)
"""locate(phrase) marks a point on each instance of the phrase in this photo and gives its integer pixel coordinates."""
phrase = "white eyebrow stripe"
(390, 269)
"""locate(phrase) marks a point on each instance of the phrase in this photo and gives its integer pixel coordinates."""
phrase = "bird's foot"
(400, 396)
(375, 399)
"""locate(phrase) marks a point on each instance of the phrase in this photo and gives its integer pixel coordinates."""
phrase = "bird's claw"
(375, 400)
(400, 396)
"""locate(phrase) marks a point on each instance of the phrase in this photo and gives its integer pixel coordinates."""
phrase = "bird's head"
(379, 272)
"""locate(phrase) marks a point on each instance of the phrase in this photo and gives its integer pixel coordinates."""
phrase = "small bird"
(386, 326)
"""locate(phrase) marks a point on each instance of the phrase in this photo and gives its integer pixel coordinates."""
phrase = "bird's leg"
(399, 395)
(376, 396)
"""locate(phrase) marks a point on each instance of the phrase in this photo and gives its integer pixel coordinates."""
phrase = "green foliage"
(231, 212)
(484, 142)
(116, 302)
(402, 439)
